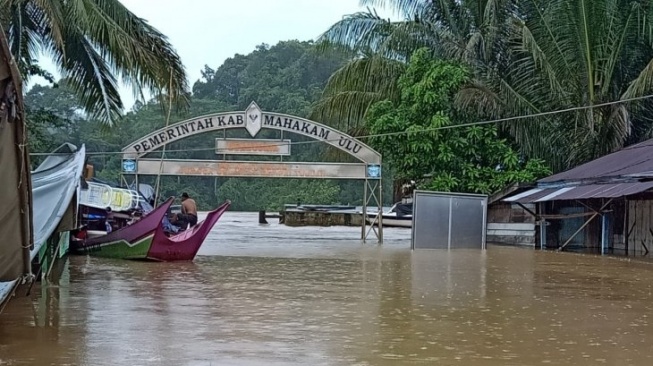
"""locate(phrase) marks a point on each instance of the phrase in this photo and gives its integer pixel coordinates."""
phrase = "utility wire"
(398, 133)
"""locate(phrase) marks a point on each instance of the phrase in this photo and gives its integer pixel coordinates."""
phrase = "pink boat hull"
(184, 246)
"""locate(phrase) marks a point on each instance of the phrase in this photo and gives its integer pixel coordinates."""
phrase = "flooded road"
(274, 295)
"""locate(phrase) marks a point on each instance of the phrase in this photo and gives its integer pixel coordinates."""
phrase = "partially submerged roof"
(634, 160)
(623, 173)
(609, 190)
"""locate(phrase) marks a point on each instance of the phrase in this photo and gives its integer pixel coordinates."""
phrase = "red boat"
(130, 242)
(184, 246)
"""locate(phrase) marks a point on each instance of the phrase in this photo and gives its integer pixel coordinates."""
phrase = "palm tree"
(566, 54)
(527, 56)
(94, 43)
(468, 31)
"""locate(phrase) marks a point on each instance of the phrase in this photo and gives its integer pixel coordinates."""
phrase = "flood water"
(274, 295)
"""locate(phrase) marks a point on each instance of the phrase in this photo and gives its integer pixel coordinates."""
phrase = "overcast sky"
(210, 31)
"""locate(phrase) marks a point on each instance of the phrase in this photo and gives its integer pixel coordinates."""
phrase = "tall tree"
(94, 43)
(287, 77)
(466, 159)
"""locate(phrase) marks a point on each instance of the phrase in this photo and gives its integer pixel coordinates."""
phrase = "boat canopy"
(101, 196)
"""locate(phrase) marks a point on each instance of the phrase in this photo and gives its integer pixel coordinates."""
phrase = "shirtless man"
(189, 209)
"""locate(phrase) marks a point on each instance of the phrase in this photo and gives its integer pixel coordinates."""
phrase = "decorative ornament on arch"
(254, 116)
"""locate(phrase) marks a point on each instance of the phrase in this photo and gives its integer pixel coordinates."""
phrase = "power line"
(398, 133)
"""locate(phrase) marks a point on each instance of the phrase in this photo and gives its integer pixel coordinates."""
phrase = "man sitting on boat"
(188, 210)
(107, 222)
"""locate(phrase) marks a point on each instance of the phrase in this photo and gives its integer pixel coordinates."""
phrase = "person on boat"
(107, 222)
(188, 209)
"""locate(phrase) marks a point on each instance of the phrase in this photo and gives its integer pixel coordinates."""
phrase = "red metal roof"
(611, 190)
(633, 160)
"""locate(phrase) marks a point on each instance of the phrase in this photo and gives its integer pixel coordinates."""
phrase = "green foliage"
(287, 77)
(45, 131)
(434, 152)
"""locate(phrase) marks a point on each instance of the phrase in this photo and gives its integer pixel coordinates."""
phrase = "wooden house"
(605, 205)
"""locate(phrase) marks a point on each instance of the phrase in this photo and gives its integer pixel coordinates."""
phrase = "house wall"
(510, 224)
(640, 226)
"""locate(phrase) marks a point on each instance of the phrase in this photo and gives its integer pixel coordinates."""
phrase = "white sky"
(210, 31)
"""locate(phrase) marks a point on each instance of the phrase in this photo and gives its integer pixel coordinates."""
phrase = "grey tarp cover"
(54, 186)
(15, 231)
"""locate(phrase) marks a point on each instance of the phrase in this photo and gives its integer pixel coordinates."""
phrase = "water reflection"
(269, 300)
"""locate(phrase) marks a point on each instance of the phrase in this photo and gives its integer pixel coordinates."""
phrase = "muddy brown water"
(274, 295)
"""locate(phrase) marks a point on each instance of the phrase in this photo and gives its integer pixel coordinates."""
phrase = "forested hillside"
(288, 77)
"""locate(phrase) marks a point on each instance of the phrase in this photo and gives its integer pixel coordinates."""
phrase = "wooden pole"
(380, 199)
(364, 221)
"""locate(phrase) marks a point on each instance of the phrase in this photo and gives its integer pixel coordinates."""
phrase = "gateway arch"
(253, 120)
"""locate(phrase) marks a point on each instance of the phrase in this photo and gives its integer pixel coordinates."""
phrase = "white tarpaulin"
(54, 185)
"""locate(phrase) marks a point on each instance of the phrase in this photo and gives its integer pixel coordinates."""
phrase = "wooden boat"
(185, 245)
(399, 215)
(130, 242)
(391, 219)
